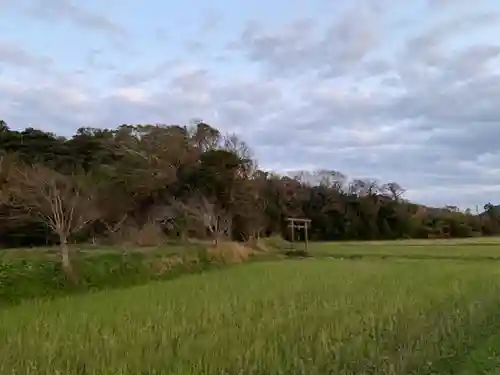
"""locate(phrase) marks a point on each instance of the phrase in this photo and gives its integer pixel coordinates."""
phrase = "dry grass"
(273, 243)
(130, 235)
(163, 265)
(230, 253)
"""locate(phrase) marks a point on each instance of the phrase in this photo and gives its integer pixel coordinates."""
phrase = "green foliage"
(41, 275)
(28, 278)
(306, 317)
(138, 171)
(113, 270)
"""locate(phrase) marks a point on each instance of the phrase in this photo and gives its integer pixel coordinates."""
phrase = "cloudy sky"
(405, 91)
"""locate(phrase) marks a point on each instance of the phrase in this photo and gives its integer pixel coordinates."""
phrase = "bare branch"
(208, 214)
(64, 203)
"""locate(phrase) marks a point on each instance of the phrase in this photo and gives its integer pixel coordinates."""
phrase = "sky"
(392, 90)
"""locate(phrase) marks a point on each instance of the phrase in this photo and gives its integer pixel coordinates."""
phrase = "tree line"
(141, 184)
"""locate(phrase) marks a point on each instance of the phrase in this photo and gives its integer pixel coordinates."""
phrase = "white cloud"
(67, 10)
(13, 54)
(131, 94)
(327, 96)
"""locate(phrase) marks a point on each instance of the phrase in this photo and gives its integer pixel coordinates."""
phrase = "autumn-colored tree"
(137, 171)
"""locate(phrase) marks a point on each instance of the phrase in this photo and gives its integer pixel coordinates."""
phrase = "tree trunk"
(65, 259)
(184, 235)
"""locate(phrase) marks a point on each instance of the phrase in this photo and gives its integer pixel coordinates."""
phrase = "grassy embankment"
(36, 273)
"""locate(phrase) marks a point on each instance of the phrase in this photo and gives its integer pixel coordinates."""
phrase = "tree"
(138, 170)
(217, 174)
(208, 214)
(249, 209)
(393, 190)
(204, 137)
(65, 204)
(147, 165)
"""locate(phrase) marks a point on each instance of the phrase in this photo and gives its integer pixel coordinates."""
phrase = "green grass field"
(396, 308)
(486, 248)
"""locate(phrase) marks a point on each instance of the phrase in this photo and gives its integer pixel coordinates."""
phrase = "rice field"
(323, 315)
(477, 249)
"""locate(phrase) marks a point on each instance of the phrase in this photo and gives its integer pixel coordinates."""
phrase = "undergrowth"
(24, 276)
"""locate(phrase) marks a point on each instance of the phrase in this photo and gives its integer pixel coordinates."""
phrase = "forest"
(145, 184)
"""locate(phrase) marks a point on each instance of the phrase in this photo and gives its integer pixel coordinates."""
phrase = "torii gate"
(298, 223)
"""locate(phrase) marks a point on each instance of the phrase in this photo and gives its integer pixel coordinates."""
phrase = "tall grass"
(291, 317)
(26, 274)
(415, 249)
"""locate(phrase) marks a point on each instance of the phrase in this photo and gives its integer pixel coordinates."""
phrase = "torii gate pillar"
(298, 223)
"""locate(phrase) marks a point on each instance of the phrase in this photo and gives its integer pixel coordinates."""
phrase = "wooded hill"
(141, 184)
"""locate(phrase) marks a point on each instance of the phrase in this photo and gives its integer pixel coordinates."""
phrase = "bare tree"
(239, 148)
(208, 214)
(63, 203)
(204, 137)
(330, 179)
(358, 187)
(393, 190)
(112, 228)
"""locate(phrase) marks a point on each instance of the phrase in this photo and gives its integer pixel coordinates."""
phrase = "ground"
(406, 307)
